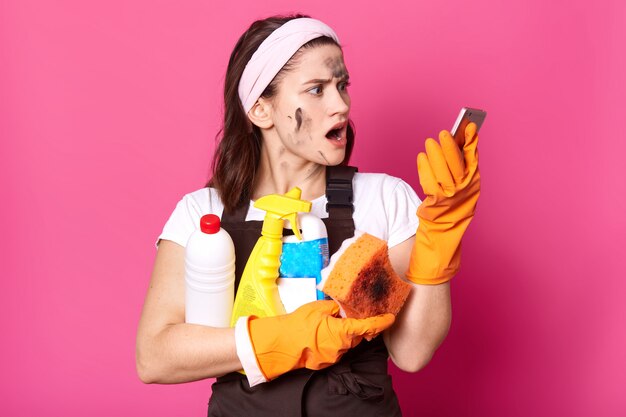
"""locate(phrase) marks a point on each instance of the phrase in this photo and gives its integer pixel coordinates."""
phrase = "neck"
(280, 171)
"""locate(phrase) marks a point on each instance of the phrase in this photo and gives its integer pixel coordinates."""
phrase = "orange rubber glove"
(451, 182)
(313, 336)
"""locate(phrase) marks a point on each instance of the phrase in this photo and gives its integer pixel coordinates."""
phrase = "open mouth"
(334, 134)
(338, 132)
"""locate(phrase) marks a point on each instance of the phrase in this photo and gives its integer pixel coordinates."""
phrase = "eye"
(317, 88)
(344, 86)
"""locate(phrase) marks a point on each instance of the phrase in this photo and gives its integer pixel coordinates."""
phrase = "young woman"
(286, 124)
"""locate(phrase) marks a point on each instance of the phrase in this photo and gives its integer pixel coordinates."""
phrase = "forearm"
(186, 352)
(420, 327)
(169, 350)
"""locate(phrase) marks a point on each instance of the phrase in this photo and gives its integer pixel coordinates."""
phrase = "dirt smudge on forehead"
(336, 66)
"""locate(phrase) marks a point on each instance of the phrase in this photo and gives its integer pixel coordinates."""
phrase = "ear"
(261, 114)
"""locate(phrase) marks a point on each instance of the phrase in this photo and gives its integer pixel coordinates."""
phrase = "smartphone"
(466, 116)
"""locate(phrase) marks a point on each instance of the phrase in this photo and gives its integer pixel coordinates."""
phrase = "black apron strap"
(340, 198)
(339, 191)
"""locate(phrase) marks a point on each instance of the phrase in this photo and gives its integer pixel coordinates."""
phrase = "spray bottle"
(302, 261)
(258, 292)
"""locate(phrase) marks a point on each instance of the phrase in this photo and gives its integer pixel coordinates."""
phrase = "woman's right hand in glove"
(313, 336)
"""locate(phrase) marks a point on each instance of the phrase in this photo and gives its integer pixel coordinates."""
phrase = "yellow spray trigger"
(293, 220)
(279, 207)
(294, 193)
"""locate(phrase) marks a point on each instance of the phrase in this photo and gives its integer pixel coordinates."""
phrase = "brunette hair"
(237, 155)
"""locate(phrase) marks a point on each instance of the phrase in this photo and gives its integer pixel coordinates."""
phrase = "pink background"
(108, 114)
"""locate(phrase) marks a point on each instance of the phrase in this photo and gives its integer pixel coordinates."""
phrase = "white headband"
(273, 54)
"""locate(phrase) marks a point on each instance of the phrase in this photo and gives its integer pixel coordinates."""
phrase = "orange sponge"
(363, 281)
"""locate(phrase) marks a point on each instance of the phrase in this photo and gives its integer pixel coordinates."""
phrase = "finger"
(370, 326)
(440, 166)
(429, 183)
(329, 307)
(470, 150)
(453, 155)
(380, 323)
(470, 134)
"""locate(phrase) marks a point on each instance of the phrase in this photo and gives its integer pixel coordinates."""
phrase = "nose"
(338, 102)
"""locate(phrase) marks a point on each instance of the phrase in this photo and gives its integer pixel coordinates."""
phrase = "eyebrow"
(344, 77)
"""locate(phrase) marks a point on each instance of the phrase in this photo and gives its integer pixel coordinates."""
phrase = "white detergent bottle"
(209, 275)
(302, 261)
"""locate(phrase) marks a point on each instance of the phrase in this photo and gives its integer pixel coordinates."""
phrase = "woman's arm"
(423, 322)
(450, 179)
(168, 349)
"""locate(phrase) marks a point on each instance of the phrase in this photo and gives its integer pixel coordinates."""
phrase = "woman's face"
(311, 108)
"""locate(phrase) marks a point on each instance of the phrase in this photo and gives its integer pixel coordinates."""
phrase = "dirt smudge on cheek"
(298, 119)
(303, 124)
(306, 124)
(323, 157)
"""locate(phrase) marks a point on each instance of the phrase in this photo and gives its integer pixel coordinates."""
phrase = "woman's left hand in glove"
(450, 179)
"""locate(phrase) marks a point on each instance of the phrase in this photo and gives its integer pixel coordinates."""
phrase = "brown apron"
(357, 385)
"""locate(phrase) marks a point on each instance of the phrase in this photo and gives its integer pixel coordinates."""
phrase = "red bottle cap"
(210, 224)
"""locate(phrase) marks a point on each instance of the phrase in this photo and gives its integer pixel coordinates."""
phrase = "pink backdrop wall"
(108, 112)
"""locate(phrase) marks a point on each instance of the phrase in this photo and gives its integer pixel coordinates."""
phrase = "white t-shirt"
(384, 206)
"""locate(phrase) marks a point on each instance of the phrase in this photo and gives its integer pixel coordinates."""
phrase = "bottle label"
(305, 259)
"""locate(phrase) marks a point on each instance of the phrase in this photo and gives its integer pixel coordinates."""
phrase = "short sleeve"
(182, 221)
(401, 207)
